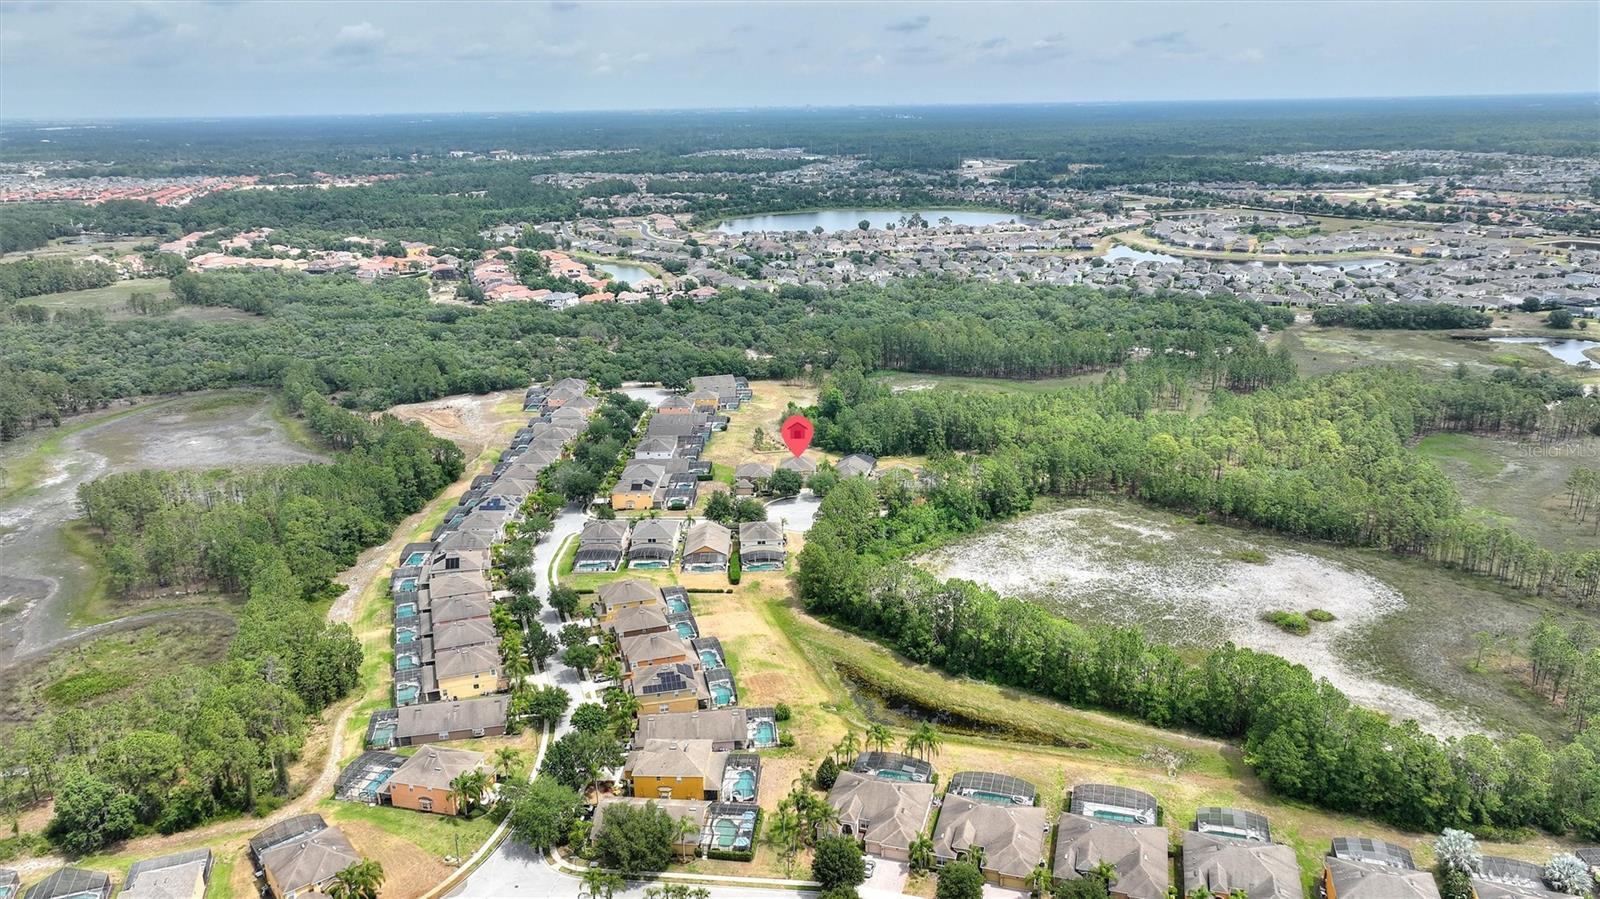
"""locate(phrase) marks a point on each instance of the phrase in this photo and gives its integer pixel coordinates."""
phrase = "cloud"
(360, 41)
(1172, 43)
(908, 26)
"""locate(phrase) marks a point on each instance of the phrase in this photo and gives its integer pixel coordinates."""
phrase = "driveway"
(888, 879)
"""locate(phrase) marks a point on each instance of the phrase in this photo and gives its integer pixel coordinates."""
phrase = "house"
(1137, 851)
(466, 632)
(423, 783)
(661, 648)
(601, 545)
(885, 815)
(855, 465)
(637, 620)
(638, 486)
(685, 842)
(301, 855)
(727, 729)
(653, 544)
(72, 883)
(182, 875)
(432, 722)
(460, 608)
(675, 769)
(751, 478)
(463, 672)
(761, 546)
(656, 448)
(705, 401)
(706, 547)
(1509, 878)
(625, 594)
(456, 583)
(678, 687)
(1368, 876)
(1223, 865)
(674, 405)
(1011, 836)
(801, 464)
(1113, 803)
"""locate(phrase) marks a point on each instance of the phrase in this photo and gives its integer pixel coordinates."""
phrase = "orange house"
(423, 783)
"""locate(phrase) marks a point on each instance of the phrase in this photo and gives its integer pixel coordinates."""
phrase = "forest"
(1422, 317)
(1325, 458)
(374, 345)
(1303, 737)
(214, 741)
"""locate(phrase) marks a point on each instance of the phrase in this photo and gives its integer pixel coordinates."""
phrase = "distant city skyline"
(220, 58)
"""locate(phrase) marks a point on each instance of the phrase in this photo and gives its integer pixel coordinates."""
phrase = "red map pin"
(796, 432)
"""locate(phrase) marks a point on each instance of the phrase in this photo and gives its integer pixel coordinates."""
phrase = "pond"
(1570, 351)
(850, 219)
(632, 274)
(1118, 251)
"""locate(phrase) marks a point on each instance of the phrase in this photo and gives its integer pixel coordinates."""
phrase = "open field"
(1318, 351)
(1519, 485)
(1402, 640)
(78, 246)
(112, 302)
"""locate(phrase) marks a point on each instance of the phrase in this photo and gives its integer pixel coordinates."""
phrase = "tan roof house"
(886, 815)
(1012, 836)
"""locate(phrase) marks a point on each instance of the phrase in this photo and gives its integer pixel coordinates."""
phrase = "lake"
(848, 219)
(1570, 351)
(632, 274)
(1120, 251)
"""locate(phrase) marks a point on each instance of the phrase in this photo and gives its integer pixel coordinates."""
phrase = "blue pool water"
(405, 663)
(1115, 816)
(710, 659)
(408, 583)
(405, 610)
(892, 775)
(405, 635)
(725, 830)
(766, 732)
(685, 630)
(744, 787)
(677, 604)
(414, 560)
(721, 695)
(404, 693)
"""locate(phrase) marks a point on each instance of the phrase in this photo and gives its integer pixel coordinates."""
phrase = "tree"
(582, 656)
(578, 758)
(539, 646)
(864, 225)
(359, 881)
(878, 735)
(960, 880)
(542, 812)
(1560, 319)
(719, 507)
(91, 814)
(837, 861)
(849, 745)
(921, 854)
(564, 599)
(827, 773)
(601, 884)
(506, 759)
(635, 840)
(1567, 873)
(546, 705)
(467, 790)
(591, 717)
(783, 835)
(785, 482)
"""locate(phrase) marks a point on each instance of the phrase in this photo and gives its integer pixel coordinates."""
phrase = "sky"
(78, 60)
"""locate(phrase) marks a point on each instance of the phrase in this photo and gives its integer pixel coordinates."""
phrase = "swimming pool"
(404, 635)
(710, 659)
(405, 610)
(677, 604)
(1114, 816)
(893, 775)
(685, 630)
(406, 693)
(766, 733)
(413, 560)
(991, 797)
(744, 786)
(721, 694)
(405, 662)
(408, 584)
(725, 831)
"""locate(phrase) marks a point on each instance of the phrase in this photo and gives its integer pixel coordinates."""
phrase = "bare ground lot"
(1520, 485)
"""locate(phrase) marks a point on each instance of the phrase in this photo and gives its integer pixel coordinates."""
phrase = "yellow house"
(675, 769)
(625, 594)
(637, 487)
(463, 672)
(678, 687)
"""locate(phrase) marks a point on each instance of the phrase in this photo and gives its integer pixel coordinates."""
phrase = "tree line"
(32, 277)
(1423, 317)
(1302, 736)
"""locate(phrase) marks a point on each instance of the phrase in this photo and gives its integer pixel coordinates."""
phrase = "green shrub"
(1253, 556)
(1322, 615)
(1290, 622)
(76, 689)
(781, 712)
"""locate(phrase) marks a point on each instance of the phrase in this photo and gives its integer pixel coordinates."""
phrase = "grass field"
(1318, 351)
(1519, 484)
(112, 301)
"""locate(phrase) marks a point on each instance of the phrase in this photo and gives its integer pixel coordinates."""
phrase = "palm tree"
(517, 669)
(930, 738)
(783, 833)
(977, 855)
(468, 789)
(847, 747)
(682, 829)
(913, 743)
(601, 883)
(1039, 881)
(359, 881)
(1106, 871)
(921, 854)
(505, 761)
(878, 735)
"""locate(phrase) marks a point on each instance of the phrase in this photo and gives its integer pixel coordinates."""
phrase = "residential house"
(706, 547)
(885, 815)
(182, 875)
(72, 883)
(601, 545)
(301, 855)
(653, 543)
(801, 464)
(657, 449)
(639, 486)
(460, 608)
(685, 842)
(625, 594)
(856, 465)
(637, 620)
(1353, 879)
(675, 769)
(1223, 865)
(762, 546)
(1509, 878)
(1012, 837)
(434, 722)
(466, 632)
(653, 649)
(678, 687)
(456, 583)
(727, 729)
(751, 478)
(465, 672)
(705, 401)
(1137, 851)
(423, 783)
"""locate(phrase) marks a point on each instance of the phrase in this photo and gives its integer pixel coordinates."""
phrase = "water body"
(1119, 251)
(849, 219)
(1570, 351)
(652, 394)
(41, 575)
(632, 274)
